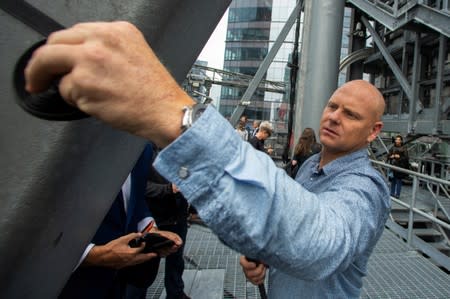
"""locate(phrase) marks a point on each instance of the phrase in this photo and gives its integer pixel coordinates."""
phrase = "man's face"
(349, 121)
(265, 135)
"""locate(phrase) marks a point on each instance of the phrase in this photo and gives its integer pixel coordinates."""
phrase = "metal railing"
(442, 225)
(428, 181)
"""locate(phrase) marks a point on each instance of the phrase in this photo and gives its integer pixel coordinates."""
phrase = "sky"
(213, 53)
(215, 47)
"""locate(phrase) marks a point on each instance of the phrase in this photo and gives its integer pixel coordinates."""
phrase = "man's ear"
(376, 129)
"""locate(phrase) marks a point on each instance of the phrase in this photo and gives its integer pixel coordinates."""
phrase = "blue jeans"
(396, 186)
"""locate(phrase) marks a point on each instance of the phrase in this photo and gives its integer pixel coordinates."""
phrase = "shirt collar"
(338, 164)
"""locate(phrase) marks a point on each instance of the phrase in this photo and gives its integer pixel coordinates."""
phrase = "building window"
(251, 71)
(249, 14)
(245, 53)
(248, 34)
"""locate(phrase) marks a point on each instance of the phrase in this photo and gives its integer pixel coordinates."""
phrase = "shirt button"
(183, 172)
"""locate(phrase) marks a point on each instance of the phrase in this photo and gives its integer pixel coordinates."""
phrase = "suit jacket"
(100, 282)
(166, 207)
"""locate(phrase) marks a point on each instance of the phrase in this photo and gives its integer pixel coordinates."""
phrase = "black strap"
(30, 16)
(49, 104)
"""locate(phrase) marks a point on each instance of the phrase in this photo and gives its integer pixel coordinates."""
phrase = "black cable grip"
(47, 105)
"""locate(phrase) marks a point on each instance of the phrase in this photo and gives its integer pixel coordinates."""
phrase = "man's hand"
(169, 235)
(255, 273)
(117, 254)
(109, 71)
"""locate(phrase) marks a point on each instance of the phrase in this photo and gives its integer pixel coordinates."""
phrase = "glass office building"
(253, 26)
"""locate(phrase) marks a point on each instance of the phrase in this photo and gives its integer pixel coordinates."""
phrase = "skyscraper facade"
(253, 26)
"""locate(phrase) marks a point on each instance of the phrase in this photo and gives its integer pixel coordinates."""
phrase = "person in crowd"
(241, 128)
(255, 127)
(398, 156)
(109, 267)
(316, 232)
(170, 210)
(306, 147)
(264, 132)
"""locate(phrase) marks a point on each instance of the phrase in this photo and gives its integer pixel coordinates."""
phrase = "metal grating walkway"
(395, 269)
(398, 271)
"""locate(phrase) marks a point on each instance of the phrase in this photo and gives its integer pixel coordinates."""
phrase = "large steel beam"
(437, 126)
(58, 179)
(357, 42)
(319, 65)
(413, 99)
(433, 18)
(389, 59)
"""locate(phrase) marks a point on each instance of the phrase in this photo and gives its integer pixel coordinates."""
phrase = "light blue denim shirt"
(316, 236)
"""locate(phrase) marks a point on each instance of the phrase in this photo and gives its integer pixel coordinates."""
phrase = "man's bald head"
(368, 93)
(351, 119)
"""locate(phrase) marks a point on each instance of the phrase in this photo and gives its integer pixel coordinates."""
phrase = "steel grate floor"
(395, 269)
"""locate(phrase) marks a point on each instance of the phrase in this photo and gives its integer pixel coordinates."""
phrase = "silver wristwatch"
(191, 114)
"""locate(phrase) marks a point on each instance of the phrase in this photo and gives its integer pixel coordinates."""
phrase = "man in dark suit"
(170, 210)
(110, 268)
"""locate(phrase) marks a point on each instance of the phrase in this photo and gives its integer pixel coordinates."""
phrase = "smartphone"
(153, 242)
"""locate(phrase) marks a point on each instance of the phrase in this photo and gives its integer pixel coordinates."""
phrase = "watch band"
(191, 114)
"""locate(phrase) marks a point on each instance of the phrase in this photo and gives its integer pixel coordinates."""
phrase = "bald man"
(316, 233)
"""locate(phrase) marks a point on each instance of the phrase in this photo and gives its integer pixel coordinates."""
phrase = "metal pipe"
(319, 62)
(414, 85)
(439, 74)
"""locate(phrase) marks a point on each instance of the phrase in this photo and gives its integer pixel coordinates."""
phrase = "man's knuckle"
(52, 36)
(126, 26)
(82, 80)
(95, 53)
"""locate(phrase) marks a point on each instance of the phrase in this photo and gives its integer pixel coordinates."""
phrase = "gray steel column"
(405, 60)
(319, 66)
(58, 179)
(357, 41)
(440, 70)
(413, 98)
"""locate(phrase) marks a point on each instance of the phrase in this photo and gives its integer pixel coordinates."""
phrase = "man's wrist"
(167, 127)
(93, 258)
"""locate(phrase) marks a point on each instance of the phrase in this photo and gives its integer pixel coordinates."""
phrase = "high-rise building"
(253, 26)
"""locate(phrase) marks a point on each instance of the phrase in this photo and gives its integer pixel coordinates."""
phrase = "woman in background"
(305, 148)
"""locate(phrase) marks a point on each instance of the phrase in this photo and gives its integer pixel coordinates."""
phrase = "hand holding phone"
(154, 242)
